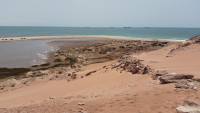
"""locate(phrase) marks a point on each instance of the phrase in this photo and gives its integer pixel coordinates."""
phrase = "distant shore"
(80, 36)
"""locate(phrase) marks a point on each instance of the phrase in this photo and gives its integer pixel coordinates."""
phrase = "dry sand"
(110, 91)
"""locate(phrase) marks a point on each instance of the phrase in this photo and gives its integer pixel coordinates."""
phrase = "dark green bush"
(7, 72)
(71, 60)
(57, 60)
(34, 66)
(46, 64)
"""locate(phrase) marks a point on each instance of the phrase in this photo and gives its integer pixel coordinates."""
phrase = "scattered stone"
(89, 73)
(80, 108)
(52, 98)
(189, 106)
(81, 104)
(195, 88)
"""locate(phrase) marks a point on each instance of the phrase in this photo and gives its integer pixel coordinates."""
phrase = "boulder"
(172, 78)
(189, 106)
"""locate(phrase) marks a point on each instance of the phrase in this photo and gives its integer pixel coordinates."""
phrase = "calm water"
(26, 53)
(155, 33)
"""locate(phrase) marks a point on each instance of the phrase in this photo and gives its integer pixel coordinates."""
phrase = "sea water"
(27, 52)
(152, 33)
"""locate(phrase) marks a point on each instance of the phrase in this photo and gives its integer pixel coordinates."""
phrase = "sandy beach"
(106, 85)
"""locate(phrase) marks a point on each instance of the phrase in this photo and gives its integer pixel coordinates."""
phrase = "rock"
(89, 73)
(158, 73)
(80, 108)
(69, 74)
(195, 88)
(81, 104)
(52, 97)
(115, 65)
(172, 78)
(189, 106)
(134, 71)
(196, 79)
(195, 39)
(73, 76)
(182, 84)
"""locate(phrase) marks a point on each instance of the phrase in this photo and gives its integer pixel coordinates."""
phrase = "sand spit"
(98, 87)
(78, 36)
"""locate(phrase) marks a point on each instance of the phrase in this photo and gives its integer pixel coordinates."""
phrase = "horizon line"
(100, 27)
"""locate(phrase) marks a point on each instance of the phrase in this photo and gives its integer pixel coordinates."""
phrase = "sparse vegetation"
(46, 64)
(57, 60)
(34, 66)
(72, 60)
(8, 72)
(58, 65)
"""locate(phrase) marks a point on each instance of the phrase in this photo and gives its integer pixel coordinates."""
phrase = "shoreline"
(8, 39)
(60, 44)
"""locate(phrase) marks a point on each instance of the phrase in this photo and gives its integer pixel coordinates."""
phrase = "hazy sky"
(100, 13)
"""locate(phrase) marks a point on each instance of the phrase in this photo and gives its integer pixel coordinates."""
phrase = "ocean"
(152, 33)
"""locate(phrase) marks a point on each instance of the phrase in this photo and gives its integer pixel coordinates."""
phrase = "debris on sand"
(127, 63)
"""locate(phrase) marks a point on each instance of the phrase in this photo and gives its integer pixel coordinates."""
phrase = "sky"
(100, 13)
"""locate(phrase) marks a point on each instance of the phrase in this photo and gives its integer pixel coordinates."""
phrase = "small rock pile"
(180, 80)
(126, 63)
(189, 106)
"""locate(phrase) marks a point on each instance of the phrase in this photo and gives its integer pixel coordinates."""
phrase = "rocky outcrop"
(193, 40)
(189, 106)
(184, 81)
